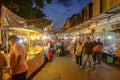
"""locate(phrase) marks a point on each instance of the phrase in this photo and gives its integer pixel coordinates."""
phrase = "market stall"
(36, 61)
(35, 52)
(13, 24)
(116, 30)
(110, 40)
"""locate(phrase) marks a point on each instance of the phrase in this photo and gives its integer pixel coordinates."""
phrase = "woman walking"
(79, 54)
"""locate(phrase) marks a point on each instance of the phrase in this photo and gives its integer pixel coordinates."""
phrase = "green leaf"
(25, 8)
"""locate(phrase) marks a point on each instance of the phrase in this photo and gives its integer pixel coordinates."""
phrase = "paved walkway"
(63, 68)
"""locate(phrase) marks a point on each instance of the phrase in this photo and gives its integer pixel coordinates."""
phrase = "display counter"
(107, 57)
(35, 61)
(111, 56)
(34, 51)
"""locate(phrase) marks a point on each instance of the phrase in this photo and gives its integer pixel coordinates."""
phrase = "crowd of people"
(84, 50)
(88, 51)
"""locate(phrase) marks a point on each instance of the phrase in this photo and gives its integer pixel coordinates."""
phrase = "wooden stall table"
(35, 63)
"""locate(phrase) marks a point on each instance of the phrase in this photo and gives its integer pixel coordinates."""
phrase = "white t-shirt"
(18, 50)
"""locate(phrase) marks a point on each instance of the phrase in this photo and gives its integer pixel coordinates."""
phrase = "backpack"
(88, 47)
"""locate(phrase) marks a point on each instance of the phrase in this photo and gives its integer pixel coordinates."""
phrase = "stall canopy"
(23, 32)
(10, 19)
(39, 23)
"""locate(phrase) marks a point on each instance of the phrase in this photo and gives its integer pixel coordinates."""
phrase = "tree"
(27, 9)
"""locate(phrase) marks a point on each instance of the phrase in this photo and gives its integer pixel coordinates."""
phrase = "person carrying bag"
(79, 54)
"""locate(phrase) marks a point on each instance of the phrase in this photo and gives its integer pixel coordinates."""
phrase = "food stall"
(110, 40)
(30, 38)
(116, 30)
(35, 60)
(35, 52)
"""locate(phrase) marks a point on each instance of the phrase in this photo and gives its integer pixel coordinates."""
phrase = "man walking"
(87, 52)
